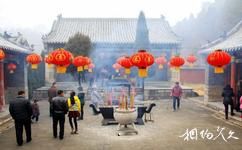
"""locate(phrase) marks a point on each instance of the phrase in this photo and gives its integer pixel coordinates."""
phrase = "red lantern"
(117, 66)
(79, 62)
(126, 63)
(142, 60)
(88, 62)
(12, 67)
(219, 59)
(191, 59)
(62, 58)
(177, 62)
(90, 67)
(34, 60)
(2, 54)
(160, 61)
(49, 59)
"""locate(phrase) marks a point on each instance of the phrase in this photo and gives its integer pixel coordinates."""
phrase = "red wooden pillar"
(232, 76)
(2, 99)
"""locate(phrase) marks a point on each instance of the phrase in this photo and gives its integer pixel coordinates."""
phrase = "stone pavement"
(162, 134)
(219, 107)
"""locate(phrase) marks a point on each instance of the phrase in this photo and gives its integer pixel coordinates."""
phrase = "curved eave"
(20, 50)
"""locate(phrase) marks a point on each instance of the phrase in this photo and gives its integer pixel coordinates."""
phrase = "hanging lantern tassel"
(86, 67)
(49, 65)
(11, 71)
(160, 66)
(61, 69)
(127, 71)
(89, 70)
(191, 65)
(177, 69)
(143, 73)
(80, 69)
(218, 70)
(117, 70)
(34, 66)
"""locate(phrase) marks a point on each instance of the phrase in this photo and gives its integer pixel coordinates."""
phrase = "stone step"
(6, 123)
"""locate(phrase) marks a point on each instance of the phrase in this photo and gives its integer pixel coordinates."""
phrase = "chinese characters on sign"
(195, 134)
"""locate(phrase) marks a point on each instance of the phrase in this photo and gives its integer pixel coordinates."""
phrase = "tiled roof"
(231, 42)
(4, 44)
(110, 30)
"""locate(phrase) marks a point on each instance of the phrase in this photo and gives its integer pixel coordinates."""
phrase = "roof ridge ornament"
(59, 16)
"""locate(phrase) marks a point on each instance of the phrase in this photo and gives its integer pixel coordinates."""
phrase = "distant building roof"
(230, 42)
(110, 30)
(5, 44)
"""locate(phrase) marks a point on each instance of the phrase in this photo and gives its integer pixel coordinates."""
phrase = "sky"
(41, 13)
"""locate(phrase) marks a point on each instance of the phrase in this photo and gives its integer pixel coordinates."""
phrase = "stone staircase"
(6, 121)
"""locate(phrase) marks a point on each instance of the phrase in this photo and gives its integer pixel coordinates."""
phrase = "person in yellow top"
(74, 107)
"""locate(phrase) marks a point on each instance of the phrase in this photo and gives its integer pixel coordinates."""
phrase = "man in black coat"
(228, 95)
(21, 111)
(60, 108)
(52, 92)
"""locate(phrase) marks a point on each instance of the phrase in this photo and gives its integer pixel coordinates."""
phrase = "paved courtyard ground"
(162, 134)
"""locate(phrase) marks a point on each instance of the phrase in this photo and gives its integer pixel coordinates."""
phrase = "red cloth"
(241, 103)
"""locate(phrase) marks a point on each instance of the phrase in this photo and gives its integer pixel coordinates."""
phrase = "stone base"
(213, 93)
(12, 92)
(162, 93)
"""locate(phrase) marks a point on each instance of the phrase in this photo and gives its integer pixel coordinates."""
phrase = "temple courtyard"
(193, 126)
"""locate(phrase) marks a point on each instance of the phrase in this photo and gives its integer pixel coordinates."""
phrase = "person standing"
(52, 92)
(60, 108)
(21, 111)
(74, 107)
(228, 95)
(81, 96)
(35, 109)
(96, 98)
(176, 93)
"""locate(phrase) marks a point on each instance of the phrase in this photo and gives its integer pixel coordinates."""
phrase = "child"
(35, 108)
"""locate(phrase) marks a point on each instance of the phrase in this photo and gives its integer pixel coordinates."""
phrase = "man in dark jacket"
(60, 108)
(21, 111)
(228, 95)
(52, 92)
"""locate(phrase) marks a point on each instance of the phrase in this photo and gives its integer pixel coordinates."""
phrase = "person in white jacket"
(96, 97)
